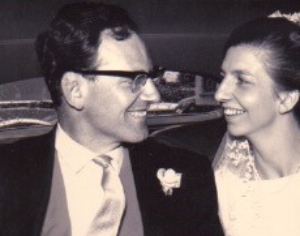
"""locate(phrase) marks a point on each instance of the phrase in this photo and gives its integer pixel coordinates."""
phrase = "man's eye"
(126, 82)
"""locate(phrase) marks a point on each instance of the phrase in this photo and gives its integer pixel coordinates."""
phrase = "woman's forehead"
(246, 57)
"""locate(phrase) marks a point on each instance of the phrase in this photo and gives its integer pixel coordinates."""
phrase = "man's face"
(112, 112)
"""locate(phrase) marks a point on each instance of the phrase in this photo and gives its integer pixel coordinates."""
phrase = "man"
(81, 178)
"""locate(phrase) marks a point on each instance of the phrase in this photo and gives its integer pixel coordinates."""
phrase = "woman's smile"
(233, 112)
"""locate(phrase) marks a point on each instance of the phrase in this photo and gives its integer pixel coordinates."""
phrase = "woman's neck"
(277, 153)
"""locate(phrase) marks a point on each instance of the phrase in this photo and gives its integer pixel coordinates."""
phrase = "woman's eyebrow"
(241, 72)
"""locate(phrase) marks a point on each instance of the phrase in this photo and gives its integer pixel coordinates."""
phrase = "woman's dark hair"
(73, 38)
(280, 39)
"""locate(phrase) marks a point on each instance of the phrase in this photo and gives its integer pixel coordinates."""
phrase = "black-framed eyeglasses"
(139, 78)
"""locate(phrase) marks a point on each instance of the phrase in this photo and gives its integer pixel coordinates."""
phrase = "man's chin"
(138, 137)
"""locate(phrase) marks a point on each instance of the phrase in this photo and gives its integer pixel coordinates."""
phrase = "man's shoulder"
(154, 151)
(196, 189)
(153, 146)
(27, 140)
(29, 147)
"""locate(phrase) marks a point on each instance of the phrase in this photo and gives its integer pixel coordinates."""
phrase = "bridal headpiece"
(293, 17)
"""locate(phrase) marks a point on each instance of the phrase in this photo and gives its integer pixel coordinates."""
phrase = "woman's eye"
(221, 77)
(242, 81)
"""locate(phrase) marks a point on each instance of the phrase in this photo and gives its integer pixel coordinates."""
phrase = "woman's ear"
(288, 100)
(72, 89)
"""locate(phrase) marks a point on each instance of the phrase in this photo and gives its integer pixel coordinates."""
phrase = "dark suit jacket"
(25, 181)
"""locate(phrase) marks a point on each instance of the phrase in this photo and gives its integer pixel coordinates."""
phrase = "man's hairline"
(109, 34)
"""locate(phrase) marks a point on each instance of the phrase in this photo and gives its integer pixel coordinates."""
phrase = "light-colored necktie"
(108, 218)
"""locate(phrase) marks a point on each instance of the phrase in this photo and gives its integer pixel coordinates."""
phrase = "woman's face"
(247, 92)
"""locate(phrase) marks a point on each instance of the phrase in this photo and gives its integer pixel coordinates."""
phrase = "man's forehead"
(127, 54)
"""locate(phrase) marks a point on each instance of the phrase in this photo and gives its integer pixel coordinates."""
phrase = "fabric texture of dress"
(250, 206)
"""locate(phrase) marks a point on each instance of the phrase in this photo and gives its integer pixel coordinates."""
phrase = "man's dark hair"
(73, 38)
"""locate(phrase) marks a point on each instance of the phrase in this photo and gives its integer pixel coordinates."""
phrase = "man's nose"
(225, 91)
(150, 92)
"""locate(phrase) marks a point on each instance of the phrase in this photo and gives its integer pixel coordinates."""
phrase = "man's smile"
(142, 113)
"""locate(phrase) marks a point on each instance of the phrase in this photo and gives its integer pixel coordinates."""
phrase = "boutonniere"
(169, 180)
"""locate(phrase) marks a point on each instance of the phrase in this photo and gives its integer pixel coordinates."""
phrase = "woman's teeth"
(232, 112)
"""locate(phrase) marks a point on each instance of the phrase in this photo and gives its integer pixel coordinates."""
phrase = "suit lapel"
(144, 167)
(149, 193)
(46, 180)
(25, 184)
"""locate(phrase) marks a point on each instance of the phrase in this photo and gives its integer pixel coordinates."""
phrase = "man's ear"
(72, 88)
(288, 100)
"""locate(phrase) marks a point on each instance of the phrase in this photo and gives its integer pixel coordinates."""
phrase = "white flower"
(169, 180)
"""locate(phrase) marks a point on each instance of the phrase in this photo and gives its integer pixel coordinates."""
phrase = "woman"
(258, 172)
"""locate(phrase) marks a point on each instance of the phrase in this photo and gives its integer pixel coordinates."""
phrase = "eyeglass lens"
(138, 82)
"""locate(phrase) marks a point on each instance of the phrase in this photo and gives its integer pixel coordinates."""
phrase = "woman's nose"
(224, 91)
(150, 92)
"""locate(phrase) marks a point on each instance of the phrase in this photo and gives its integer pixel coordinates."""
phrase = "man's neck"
(97, 145)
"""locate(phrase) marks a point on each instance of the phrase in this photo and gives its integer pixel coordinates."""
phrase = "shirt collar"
(77, 156)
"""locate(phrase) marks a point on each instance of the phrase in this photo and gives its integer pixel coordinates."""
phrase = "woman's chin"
(236, 131)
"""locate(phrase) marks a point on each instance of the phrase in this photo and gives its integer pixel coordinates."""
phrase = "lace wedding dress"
(250, 206)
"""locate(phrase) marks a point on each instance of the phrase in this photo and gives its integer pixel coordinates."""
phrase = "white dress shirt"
(82, 180)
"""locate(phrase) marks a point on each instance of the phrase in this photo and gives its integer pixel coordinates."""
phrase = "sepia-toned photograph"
(149, 117)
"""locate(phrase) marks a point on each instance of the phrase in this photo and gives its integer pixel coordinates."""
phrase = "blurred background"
(184, 36)
(180, 34)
